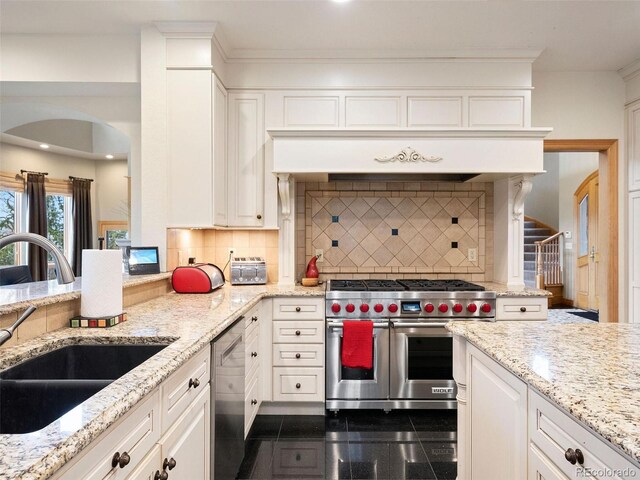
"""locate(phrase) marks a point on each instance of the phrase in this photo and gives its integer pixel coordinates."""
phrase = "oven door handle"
(375, 325)
(397, 324)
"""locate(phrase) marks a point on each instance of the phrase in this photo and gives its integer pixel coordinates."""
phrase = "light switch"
(567, 234)
(568, 246)
(320, 255)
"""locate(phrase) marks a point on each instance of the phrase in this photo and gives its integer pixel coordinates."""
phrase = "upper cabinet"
(246, 172)
(220, 177)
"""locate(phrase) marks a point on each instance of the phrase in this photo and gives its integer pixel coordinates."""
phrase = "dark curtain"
(37, 206)
(82, 230)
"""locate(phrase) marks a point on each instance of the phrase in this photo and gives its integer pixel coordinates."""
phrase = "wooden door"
(588, 253)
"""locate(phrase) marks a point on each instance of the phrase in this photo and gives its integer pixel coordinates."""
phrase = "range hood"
(455, 154)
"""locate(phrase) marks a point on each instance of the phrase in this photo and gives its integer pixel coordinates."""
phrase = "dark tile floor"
(363, 444)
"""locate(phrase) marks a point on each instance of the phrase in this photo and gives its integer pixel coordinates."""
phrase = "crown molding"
(538, 132)
(187, 29)
(630, 71)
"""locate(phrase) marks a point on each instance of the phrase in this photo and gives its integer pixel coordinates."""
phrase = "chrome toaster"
(248, 271)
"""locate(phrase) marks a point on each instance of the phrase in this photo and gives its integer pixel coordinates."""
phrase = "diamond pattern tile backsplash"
(397, 229)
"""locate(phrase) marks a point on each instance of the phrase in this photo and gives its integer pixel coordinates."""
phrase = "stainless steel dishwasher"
(227, 379)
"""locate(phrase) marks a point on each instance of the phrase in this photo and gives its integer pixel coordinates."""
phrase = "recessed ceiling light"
(109, 157)
(341, 1)
(44, 145)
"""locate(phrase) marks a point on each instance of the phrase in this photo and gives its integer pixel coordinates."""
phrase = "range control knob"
(486, 308)
(350, 308)
(457, 308)
(378, 307)
(335, 308)
(472, 307)
(429, 307)
(443, 308)
(364, 308)
(393, 308)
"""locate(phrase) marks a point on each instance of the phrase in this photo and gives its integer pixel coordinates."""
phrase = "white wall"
(111, 190)
(542, 202)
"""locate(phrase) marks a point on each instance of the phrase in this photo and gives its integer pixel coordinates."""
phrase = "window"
(11, 220)
(59, 226)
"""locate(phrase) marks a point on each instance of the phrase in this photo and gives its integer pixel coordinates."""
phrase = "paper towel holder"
(143, 260)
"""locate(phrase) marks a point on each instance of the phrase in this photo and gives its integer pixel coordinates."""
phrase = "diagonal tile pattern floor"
(362, 444)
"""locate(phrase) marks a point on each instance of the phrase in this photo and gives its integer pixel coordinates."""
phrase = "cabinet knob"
(254, 354)
(297, 355)
(259, 217)
(298, 385)
(121, 460)
(523, 309)
(254, 402)
(161, 476)
(298, 309)
(574, 456)
(169, 463)
(194, 382)
(254, 319)
(298, 333)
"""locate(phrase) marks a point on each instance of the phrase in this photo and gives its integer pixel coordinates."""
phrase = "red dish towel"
(357, 344)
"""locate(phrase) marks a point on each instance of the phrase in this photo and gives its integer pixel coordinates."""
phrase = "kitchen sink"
(39, 391)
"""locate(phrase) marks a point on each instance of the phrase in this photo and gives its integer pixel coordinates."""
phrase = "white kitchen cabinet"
(220, 178)
(188, 442)
(253, 360)
(149, 467)
(497, 420)
(246, 138)
(190, 167)
(522, 308)
(541, 468)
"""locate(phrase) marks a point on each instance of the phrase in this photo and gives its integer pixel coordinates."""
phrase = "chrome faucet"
(64, 273)
(7, 333)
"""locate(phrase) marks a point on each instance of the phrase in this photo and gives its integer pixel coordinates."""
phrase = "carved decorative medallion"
(408, 155)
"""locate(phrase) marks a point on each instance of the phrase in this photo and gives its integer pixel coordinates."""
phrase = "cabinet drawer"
(298, 384)
(541, 468)
(135, 435)
(251, 404)
(521, 308)
(298, 332)
(298, 459)
(252, 319)
(298, 308)
(177, 393)
(301, 355)
(554, 432)
(251, 355)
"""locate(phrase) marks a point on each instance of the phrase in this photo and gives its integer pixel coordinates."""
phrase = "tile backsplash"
(397, 229)
(212, 246)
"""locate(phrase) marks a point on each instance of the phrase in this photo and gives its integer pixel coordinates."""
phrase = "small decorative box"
(85, 322)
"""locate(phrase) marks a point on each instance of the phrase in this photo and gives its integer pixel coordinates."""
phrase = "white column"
(286, 223)
(509, 196)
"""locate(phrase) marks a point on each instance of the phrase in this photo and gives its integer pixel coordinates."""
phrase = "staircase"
(535, 231)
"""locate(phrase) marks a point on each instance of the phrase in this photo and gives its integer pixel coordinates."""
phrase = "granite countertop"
(590, 370)
(502, 290)
(190, 322)
(18, 297)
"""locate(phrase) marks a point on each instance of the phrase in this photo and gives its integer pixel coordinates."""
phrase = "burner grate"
(383, 285)
(441, 286)
(348, 285)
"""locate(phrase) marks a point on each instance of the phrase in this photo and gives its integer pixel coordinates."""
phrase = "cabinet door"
(147, 469)
(497, 420)
(541, 468)
(190, 172)
(220, 178)
(246, 160)
(188, 441)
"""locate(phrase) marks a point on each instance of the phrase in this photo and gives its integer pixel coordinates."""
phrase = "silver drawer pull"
(339, 325)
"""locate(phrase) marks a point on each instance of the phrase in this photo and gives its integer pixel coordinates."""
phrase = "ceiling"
(575, 35)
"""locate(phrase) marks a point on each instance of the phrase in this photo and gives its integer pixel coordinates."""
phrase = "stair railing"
(550, 261)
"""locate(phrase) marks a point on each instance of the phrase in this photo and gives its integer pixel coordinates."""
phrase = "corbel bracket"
(285, 193)
(523, 189)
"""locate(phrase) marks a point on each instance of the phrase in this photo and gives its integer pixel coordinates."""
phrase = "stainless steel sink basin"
(40, 390)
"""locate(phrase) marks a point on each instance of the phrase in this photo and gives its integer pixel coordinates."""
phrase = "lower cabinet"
(522, 308)
(148, 468)
(506, 429)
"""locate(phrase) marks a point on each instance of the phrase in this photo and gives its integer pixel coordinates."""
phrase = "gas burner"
(347, 285)
(383, 285)
(440, 285)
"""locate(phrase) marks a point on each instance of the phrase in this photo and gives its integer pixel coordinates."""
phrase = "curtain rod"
(22, 172)
(80, 178)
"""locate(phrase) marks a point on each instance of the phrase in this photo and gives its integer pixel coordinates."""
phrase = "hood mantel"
(458, 150)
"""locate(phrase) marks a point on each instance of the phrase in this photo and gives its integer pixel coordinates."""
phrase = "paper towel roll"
(101, 283)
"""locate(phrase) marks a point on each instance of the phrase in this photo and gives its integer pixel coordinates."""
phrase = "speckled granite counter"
(589, 370)
(18, 297)
(502, 290)
(190, 322)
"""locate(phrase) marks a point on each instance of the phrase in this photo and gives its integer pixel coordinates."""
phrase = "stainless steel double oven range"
(412, 350)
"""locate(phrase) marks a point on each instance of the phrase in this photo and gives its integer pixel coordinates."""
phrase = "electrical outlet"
(568, 246)
(232, 250)
(472, 254)
(567, 234)
(320, 255)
